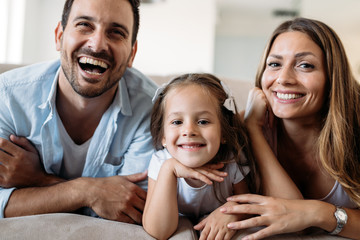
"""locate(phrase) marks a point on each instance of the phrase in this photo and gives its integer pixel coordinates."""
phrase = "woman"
(303, 118)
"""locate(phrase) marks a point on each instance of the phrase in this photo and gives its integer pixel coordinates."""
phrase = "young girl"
(196, 131)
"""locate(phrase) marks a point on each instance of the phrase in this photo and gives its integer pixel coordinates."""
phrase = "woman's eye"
(306, 65)
(273, 64)
(203, 122)
(176, 122)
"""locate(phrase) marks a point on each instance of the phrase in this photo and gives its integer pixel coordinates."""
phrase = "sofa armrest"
(73, 226)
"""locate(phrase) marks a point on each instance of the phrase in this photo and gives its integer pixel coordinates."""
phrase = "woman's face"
(294, 79)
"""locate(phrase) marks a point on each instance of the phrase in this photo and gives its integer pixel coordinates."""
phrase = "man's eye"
(176, 122)
(203, 122)
(83, 24)
(117, 33)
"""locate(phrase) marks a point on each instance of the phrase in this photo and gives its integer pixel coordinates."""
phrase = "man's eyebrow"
(92, 19)
(84, 18)
(118, 25)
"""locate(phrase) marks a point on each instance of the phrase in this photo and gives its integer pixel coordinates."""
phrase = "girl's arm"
(214, 226)
(274, 179)
(160, 218)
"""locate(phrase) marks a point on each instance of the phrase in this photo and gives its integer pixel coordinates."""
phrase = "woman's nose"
(286, 76)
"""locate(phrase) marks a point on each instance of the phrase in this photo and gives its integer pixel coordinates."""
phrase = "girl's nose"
(189, 130)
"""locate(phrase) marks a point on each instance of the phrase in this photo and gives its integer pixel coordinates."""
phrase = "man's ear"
(58, 36)
(132, 55)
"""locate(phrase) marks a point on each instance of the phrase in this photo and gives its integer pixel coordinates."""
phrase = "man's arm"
(21, 166)
(109, 197)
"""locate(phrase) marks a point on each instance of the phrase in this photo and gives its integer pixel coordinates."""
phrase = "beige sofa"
(72, 226)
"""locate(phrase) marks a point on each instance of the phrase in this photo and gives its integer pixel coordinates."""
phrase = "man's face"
(96, 45)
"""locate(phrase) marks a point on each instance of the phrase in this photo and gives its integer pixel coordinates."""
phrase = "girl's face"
(294, 79)
(192, 131)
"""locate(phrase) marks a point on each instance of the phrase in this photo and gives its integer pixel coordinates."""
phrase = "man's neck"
(80, 115)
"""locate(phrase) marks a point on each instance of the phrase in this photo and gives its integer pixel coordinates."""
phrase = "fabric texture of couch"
(67, 226)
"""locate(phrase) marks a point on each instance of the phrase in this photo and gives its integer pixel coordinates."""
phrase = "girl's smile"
(191, 125)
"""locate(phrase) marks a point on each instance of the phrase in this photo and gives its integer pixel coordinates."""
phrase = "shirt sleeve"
(4, 198)
(235, 173)
(4, 133)
(157, 159)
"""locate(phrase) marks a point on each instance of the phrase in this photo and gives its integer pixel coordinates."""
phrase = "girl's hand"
(257, 109)
(214, 226)
(277, 215)
(206, 173)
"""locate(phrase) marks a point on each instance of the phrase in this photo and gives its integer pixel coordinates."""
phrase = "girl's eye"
(176, 122)
(203, 122)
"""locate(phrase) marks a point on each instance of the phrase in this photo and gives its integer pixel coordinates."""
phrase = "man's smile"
(92, 66)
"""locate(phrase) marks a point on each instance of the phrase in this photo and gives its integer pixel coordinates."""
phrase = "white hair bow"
(158, 92)
(229, 103)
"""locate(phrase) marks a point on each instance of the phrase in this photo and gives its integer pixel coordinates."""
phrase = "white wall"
(41, 19)
(179, 36)
(176, 36)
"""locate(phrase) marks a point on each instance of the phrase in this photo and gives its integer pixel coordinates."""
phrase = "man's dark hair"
(134, 5)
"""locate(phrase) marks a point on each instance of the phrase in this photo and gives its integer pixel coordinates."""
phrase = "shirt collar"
(121, 100)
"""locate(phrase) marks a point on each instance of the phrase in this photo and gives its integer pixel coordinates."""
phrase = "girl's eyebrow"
(180, 113)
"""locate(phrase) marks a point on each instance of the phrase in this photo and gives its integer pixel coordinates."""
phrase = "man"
(90, 129)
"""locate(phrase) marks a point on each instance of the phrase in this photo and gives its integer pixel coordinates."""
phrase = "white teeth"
(190, 146)
(288, 96)
(93, 62)
(93, 73)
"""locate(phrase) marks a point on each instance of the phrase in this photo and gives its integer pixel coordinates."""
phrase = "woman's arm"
(274, 179)
(287, 216)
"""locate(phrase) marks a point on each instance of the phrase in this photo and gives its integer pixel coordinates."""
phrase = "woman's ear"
(163, 142)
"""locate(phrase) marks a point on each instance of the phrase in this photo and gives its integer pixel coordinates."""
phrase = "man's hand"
(118, 197)
(20, 164)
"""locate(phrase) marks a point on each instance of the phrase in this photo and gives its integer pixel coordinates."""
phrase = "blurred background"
(223, 37)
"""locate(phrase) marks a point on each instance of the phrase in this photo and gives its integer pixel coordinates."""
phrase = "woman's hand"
(257, 109)
(214, 226)
(206, 173)
(276, 215)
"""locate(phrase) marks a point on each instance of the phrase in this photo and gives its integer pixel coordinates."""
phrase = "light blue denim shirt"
(121, 144)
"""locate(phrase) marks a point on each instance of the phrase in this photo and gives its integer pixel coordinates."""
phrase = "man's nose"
(98, 41)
